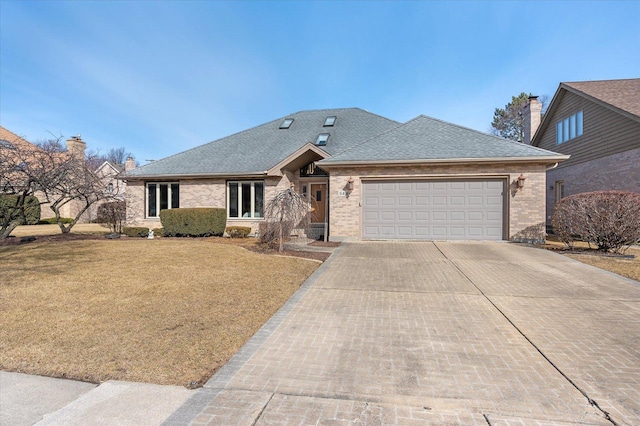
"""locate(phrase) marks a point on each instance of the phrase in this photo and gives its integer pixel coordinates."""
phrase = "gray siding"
(606, 132)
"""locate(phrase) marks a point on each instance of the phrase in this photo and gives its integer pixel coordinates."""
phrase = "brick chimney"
(76, 147)
(532, 114)
(130, 164)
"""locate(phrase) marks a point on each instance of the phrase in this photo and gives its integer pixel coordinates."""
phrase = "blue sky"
(159, 77)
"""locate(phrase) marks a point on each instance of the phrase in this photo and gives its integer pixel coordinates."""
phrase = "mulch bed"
(247, 243)
(49, 238)
(586, 251)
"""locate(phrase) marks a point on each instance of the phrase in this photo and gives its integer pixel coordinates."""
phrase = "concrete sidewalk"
(402, 333)
(27, 400)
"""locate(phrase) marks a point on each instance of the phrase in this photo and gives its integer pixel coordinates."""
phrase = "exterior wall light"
(350, 184)
(520, 181)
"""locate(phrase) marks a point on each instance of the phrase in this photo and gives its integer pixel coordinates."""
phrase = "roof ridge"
(599, 81)
(264, 124)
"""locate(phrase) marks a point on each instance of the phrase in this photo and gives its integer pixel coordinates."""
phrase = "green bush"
(193, 222)
(31, 214)
(158, 232)
(238, 231)
(52, 221)
(135, 231)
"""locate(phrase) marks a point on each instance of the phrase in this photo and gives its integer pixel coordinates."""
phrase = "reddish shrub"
(608, 219)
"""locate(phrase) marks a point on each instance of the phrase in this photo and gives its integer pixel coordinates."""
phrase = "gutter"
(195, 176)
(539, 159)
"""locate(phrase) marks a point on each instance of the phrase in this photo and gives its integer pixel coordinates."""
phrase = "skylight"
(330, 121)
(322, 139)
(286, 123)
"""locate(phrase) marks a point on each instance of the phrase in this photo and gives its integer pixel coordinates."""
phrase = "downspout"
(552, 167)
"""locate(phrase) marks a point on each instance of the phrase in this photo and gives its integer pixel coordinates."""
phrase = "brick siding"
(525, 208)
(619, 172)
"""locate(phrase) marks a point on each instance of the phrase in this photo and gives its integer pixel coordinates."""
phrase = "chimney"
(532, 113)
(76, 147)
(130, 164)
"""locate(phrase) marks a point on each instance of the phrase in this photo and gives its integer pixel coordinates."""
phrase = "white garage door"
(433, 209)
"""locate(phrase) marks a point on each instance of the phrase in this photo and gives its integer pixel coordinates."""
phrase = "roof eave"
(251, 175)
(533, 159)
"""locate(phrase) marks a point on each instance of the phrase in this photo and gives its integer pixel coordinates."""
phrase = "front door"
(318, 192)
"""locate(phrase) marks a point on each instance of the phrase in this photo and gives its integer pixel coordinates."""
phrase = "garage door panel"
(388, 215)
(439, 215)
(439, 200)
(387, 187)
(439, 185)
(437, 209)
(370, 216)
(405, 215)
(405, 201)
(459, 216)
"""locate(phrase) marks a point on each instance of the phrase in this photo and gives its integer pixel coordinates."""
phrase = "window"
(569, 128)
(330, 121)
(286, 123)
(559, 190)
(162, 196)
(322, 139)
(245, 199)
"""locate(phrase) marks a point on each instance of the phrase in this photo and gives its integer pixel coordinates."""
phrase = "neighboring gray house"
(598, 124)
(369, 177)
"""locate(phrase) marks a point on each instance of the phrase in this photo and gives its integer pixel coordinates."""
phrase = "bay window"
(245, 199)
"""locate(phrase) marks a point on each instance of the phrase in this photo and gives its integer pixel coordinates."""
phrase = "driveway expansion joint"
(590, 400)
(257, 419)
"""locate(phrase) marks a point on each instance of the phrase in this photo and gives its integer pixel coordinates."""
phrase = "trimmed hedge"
(608, 219)
(52, 221)
(31, 214)
(158, 232)
(193, 222)
(238, 231)
(135, 231)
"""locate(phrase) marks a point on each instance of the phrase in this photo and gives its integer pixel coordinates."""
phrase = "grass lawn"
(627, 267)
(165, 311)
(38, 230)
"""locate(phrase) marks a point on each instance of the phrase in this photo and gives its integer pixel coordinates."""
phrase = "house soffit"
(301, 157)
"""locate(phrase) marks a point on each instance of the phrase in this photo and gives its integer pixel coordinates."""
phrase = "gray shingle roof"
(258, 149)
(425, 138)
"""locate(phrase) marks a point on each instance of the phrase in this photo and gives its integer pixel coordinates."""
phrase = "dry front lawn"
(626, 267)
(166, 311)
(621, 265)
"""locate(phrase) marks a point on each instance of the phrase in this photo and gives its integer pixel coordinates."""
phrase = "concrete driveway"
(439, 333)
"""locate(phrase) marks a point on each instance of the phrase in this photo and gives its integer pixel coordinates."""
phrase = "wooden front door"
(318, 192)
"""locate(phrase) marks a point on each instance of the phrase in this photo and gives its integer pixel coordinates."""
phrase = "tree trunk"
(6, 230)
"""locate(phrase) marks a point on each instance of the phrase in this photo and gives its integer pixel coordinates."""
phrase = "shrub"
(158, 232)
(238, 231)
(112, 214)
(610, 220)
(193, 222)
(270, 231)
(52, 221)
(29, 216)
(135, 231)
